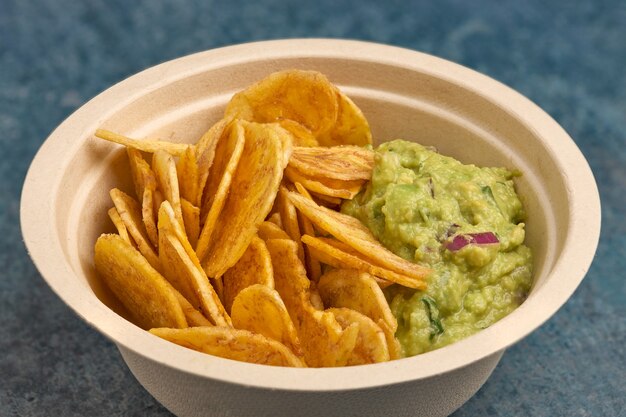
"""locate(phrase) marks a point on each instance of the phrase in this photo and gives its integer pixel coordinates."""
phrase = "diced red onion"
(460, 241)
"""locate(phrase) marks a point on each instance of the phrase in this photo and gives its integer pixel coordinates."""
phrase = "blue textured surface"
(569, 57)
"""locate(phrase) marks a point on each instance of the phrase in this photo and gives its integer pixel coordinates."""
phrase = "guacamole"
(464, 222)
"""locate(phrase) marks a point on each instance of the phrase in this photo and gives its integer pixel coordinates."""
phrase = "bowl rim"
(37, 222)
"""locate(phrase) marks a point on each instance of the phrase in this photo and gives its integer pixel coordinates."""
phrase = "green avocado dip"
(464, 222)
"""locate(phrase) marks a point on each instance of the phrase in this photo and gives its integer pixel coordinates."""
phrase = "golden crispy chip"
(252, 193)
(187, 170)
(228, 154)
(357, 291)
(339, 255)
(229, 343)
(285, 137)
(341, 189)
(150, 146)
(184, 274)
(351, 127)
(275, 218)
(354, 234)
(130, 212)
(301, 135)
(139, 287)
(346, 163)
(145, 188)
(147, 215)
(306, 97)
(119, 224)
(142, 174)
(313, 266)
(371, 345)
(193, 316)
(164, 168)
(268, 230)
(289, 219)
(254, 267)
(205, 155)
(260, 309)
(191, 217)
(323, 340)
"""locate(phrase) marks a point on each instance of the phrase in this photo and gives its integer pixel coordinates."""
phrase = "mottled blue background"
(569, 57)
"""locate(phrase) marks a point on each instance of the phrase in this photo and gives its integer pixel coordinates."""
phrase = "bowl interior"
(402, 93)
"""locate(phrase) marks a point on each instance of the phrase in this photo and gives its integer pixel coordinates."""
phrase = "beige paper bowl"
(404, 94)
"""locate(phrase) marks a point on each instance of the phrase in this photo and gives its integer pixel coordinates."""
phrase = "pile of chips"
(234, 245)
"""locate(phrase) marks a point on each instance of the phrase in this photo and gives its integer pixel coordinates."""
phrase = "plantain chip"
(254, 267)
(205, 155)
(301, 135)
(253, 189)
(138, 286)
(183, 271)
(187, 170)
(323, 340)
(289, 218)
(260, 309)
(351, 127)
(357, 291)
(346, 163)
(306, 97)
(191, 219)
(328, 187)
(229, 343)
(339, 255)
(227, 156)
(130, 212)
(119, 224)
(371, 345)
(164, 167)
(351, 232)
(269, 230)
(193, 316)
(146, 145)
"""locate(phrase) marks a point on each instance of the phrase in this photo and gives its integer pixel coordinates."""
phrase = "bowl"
(404, 94)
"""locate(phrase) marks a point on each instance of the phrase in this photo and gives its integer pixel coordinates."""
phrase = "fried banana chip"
(301, 135)
(354, 234)
(358, 291)
(306, 97)
(313, 266)
(254, 267)
(205, 155)
(184, 273)
(146, 145)
(346, 163)
(339, 255)
(332, 188)
(193, 316)
(323, 340)
(351, 127)
(289, 218)
(229, 343)
(130, 212)
(138, 286)
(119, 224)
(260, 309)
(227, 156)
(269, 230)
(187, 170)
(253, 190)
(164, 167)
(371, 345)
(191, 218)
